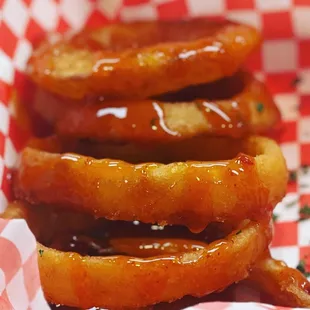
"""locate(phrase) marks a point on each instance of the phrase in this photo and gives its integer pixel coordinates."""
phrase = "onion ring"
(84, 281)
(247, 108)
(124, 60)
(286, 286)
(187, 193)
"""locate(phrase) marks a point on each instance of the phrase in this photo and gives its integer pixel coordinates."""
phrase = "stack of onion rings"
(153, 125)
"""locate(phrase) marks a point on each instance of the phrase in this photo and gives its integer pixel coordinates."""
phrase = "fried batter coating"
(191, 193)
(142, 59)
(233, 106)
(84, 281)
(287, 286)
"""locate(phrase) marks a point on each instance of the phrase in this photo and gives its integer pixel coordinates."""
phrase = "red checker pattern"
(281, 82)
(8, 40)
(5, 302)
(32, 280)
(282, 229)
(240, 4)
(62, 26)
(9, 266)
(2, 139)
(5, 92)
(255, 61)
(277, 25)
(291, 187)
(135, 2)
(27, 2)
(289, 132)
(305, 154)
(301, 2)
(304, 107)
(6, 186)
(169, 10)
(95, 19)
(34, 32)
(304, 53)
(14, 266)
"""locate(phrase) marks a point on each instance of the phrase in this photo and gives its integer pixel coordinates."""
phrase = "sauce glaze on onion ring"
(286, 286)
(142, 59)
(192, 193)
(84, 281)
(233, 106)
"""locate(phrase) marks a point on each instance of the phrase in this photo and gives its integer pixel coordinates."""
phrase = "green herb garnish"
(41, 252)
(275, 217)
(305, 168)
(296, 81)
(305, 210)
(304, 213)
(302, 268)
(259, 107)
(292, 176)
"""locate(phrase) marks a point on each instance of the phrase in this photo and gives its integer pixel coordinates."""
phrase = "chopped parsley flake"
(296, 81)
(305, 168)
(41, 252)
(305, 211)
(259, 107)
(292, 176)
(302, 268)
(275, 217)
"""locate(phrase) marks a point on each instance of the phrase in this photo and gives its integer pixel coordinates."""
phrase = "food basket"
(283, 62)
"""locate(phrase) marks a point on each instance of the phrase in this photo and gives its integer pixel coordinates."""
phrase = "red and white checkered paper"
(283, 62)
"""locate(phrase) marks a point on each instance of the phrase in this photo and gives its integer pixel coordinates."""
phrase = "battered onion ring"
(233, 106)
(188, 193)
(141, 59)
(286, 286)
(84, 281)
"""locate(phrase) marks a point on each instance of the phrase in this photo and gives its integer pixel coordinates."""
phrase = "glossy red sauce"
(221, 102)
(110, 237)
(119, 37)
(136, 239)
(200, 181)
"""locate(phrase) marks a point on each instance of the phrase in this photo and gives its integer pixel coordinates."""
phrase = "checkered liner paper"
(283, 62)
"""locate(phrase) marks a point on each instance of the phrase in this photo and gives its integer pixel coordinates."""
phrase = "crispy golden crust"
(141, 59)
(187, 193)
(84, 281)
(242, 105)
(286, 286)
